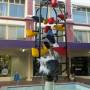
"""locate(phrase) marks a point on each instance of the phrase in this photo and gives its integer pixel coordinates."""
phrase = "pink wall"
(29, 24)
(30, 7)
(69, 28)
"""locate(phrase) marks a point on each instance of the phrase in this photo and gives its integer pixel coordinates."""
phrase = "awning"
(30, 44)
(16, 44)
(72, 45)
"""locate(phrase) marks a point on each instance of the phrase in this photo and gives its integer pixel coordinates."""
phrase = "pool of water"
(65, 86)
(72, 87)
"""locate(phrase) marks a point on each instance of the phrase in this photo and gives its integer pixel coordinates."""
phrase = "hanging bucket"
(44, 50)
(59, 27)
(54, 3)
(35, 52)
(30, 33)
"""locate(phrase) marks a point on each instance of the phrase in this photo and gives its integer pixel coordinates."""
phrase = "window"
(11, 1)
(20, 32)
(81, 36)
(17, 32)
(13, 8)
(37, 2)
(11, 32)
(5, 0)
(16, 10)
(5, 65)
(22, 1)
(81, 14)
(88, 16)
(17, 1)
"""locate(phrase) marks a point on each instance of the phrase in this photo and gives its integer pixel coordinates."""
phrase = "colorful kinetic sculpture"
(47, 57)
(36, 18)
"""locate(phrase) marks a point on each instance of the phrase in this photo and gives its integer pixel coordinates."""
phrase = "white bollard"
(49, 85)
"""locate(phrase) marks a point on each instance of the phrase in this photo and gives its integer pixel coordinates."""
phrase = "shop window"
(5, 65)
(79, 66)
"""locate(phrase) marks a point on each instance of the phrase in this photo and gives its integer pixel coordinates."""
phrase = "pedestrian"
(17, 77)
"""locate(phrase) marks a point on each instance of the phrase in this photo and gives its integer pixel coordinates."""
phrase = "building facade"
(15, 54)
(15, 47)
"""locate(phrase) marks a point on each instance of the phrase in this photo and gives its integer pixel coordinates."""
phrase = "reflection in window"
(5, 65)
(3, 9)
(5, 0)
(89, 36)
(88, 16)
(22, 1)
(17, 1)
(2, 31)
(20, 32)
(78, 36)
(11, 1)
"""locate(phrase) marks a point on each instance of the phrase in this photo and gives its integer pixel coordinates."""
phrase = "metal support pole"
(66, 45)
(40, 31)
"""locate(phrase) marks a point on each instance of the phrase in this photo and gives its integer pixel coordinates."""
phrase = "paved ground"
(39, 81)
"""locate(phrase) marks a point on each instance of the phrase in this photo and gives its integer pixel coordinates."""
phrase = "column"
(30, 68)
